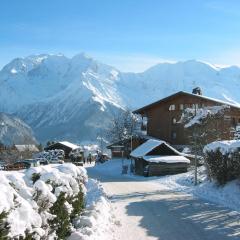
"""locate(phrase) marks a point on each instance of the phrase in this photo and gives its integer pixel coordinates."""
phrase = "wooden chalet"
(156, 158)
(23, 151)
(161, 118)
(67, 147)
(26, 148)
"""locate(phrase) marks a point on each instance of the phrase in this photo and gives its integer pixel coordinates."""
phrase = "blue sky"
(129, 34)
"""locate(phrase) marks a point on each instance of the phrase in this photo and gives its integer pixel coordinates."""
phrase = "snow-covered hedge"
(222, 160)
(41, 202)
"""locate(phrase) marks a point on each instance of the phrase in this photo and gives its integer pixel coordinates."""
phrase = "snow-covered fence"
(222, 159)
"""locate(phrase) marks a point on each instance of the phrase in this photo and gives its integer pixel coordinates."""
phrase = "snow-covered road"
(147, 211)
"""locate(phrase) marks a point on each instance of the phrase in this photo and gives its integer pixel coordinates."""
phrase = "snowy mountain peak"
(54, 91)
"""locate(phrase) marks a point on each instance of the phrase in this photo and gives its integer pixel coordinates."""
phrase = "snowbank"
(28, 195)
(96, 221)
(227, 196)
(112, 167)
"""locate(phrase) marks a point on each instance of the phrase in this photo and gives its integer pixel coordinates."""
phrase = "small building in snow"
(24, 151)
(123, 148)
(67, 147)
(156, 158)
(26, 148)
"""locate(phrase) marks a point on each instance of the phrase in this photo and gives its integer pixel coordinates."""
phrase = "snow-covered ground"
(227, 196)
(168, 208)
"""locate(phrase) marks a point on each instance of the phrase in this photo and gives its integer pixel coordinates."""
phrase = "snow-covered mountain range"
(74, 98)
(15, 131)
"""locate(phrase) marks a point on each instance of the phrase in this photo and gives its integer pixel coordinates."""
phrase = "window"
(173, 135)
(195, 106)
(181, 106)
(172, 107)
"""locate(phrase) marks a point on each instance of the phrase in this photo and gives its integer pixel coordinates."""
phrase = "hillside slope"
(14, 131)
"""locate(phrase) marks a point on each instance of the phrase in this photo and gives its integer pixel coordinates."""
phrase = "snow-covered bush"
(4, 226)
(237, 133)
(41, 202)
(222, 160)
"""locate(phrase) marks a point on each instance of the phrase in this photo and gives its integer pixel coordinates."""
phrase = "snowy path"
(149, 211)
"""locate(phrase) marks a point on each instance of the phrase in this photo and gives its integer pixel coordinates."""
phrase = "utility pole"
(195, 148)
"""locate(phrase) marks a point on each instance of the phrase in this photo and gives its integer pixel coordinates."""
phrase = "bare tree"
(123, 126)
(204, 125)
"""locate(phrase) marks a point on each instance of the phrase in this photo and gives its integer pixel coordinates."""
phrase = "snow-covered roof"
(148, 146)
(29, 147)
(224, 146)
(166, 159)
(145, 148)
(70, 145)
(141, 110)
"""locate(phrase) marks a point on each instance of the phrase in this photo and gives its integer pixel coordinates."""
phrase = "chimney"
(197, 91)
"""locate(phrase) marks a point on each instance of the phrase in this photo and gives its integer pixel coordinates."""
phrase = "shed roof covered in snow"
(145, 148)
(67, 147)
(151, 145)
(26, 147)
(70, 145)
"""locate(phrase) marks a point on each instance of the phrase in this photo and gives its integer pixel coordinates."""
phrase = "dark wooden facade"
(61, 146)
(163, 116)
(158, 169)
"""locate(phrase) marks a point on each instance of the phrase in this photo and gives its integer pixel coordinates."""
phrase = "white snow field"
(170, 207)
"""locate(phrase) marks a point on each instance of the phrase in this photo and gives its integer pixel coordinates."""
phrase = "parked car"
(56, 161)
(78, 163)
(22, 164)
(43, 161)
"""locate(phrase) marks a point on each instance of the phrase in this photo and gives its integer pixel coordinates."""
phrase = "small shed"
(156, 158)
(124, 147)
(66, 146)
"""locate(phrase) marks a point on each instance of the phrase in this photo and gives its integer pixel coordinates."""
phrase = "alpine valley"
(75, 98)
